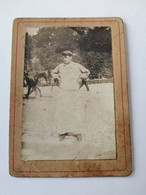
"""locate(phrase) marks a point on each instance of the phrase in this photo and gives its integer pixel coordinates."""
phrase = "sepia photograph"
(69, 113)
(68, 96)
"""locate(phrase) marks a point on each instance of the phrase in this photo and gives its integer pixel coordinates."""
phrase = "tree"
(91, 46)
(28, 51)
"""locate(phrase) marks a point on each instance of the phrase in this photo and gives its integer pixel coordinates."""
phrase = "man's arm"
(84, 70)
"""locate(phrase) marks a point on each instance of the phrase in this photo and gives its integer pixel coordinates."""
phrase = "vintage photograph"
(68, 94)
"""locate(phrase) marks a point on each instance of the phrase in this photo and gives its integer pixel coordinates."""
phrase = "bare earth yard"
(90, 114)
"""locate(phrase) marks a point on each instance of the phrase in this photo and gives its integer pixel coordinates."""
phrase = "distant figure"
(99, 77)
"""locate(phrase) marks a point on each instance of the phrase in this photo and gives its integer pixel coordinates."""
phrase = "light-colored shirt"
(69, 74)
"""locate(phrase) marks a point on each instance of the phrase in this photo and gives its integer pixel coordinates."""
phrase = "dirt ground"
(90, 114)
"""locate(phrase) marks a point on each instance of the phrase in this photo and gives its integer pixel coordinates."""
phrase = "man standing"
(69, 72)
(70, 105)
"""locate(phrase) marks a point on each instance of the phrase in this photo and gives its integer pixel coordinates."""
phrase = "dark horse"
(42, 75)
(48, 78)
(45, 75)
(32, 85)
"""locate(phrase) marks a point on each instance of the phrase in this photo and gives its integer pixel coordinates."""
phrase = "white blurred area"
(90, 114)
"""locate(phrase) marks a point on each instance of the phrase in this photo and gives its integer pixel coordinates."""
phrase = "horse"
(44, 75)
(32, 85)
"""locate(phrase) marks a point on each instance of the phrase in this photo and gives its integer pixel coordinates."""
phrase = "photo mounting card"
(69, 111)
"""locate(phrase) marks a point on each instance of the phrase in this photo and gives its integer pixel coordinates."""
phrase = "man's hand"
(84, 76)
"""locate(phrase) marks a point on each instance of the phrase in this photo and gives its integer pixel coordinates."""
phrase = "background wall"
(133, 13)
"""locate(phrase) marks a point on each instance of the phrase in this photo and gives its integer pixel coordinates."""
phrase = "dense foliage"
(91, 46)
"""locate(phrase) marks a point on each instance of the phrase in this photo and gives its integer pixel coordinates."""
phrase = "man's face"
(67, 59)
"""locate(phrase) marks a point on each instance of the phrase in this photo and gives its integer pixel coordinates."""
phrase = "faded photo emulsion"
(68, 96)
